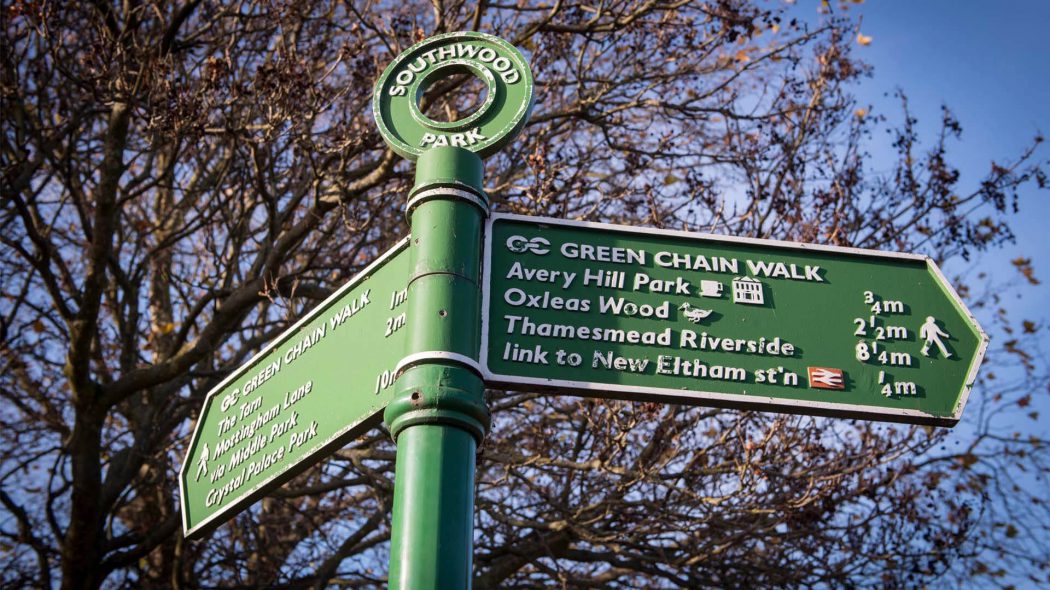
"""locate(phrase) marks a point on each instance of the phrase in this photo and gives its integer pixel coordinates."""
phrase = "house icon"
(748, 290)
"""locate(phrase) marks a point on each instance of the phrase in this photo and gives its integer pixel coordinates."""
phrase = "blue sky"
(989, 62)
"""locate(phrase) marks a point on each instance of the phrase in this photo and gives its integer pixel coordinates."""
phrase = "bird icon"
(694, 314)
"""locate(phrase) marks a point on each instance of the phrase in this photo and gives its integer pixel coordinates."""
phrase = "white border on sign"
(743, 401)
(236, 503)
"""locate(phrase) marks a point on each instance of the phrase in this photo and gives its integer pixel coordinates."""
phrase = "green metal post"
(438, 416)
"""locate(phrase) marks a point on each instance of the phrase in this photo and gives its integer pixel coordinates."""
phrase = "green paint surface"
(317, 386)
(855, 311)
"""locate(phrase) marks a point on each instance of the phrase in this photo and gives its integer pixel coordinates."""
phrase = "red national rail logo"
(826, 378)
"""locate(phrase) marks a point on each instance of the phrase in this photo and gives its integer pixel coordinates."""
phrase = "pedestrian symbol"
(202, 463)
(932, 334)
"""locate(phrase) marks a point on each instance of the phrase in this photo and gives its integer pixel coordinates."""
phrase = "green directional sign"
(321, 383)
(630, 313)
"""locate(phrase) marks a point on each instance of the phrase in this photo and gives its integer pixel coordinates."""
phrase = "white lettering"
(603, 253)
(780, 270)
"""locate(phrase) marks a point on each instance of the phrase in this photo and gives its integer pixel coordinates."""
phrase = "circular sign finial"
(501, 67)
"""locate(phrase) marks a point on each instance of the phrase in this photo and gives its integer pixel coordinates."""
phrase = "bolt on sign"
(639, 314)
(321, 383)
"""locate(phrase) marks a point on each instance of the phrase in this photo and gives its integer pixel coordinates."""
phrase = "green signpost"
(631, 313)
(589, 309)
(438, 415)
(317, 386)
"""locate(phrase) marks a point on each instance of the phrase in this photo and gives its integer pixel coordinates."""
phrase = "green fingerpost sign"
(317, 386)
(631, 313)
(483, 300)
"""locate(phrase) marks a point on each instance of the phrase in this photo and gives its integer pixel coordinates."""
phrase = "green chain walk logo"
(498, 120)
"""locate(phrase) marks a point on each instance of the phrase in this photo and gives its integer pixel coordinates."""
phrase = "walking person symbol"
(932, 334)
(202, 464)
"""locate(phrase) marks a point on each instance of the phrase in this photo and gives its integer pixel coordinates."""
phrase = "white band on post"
(438, 355)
